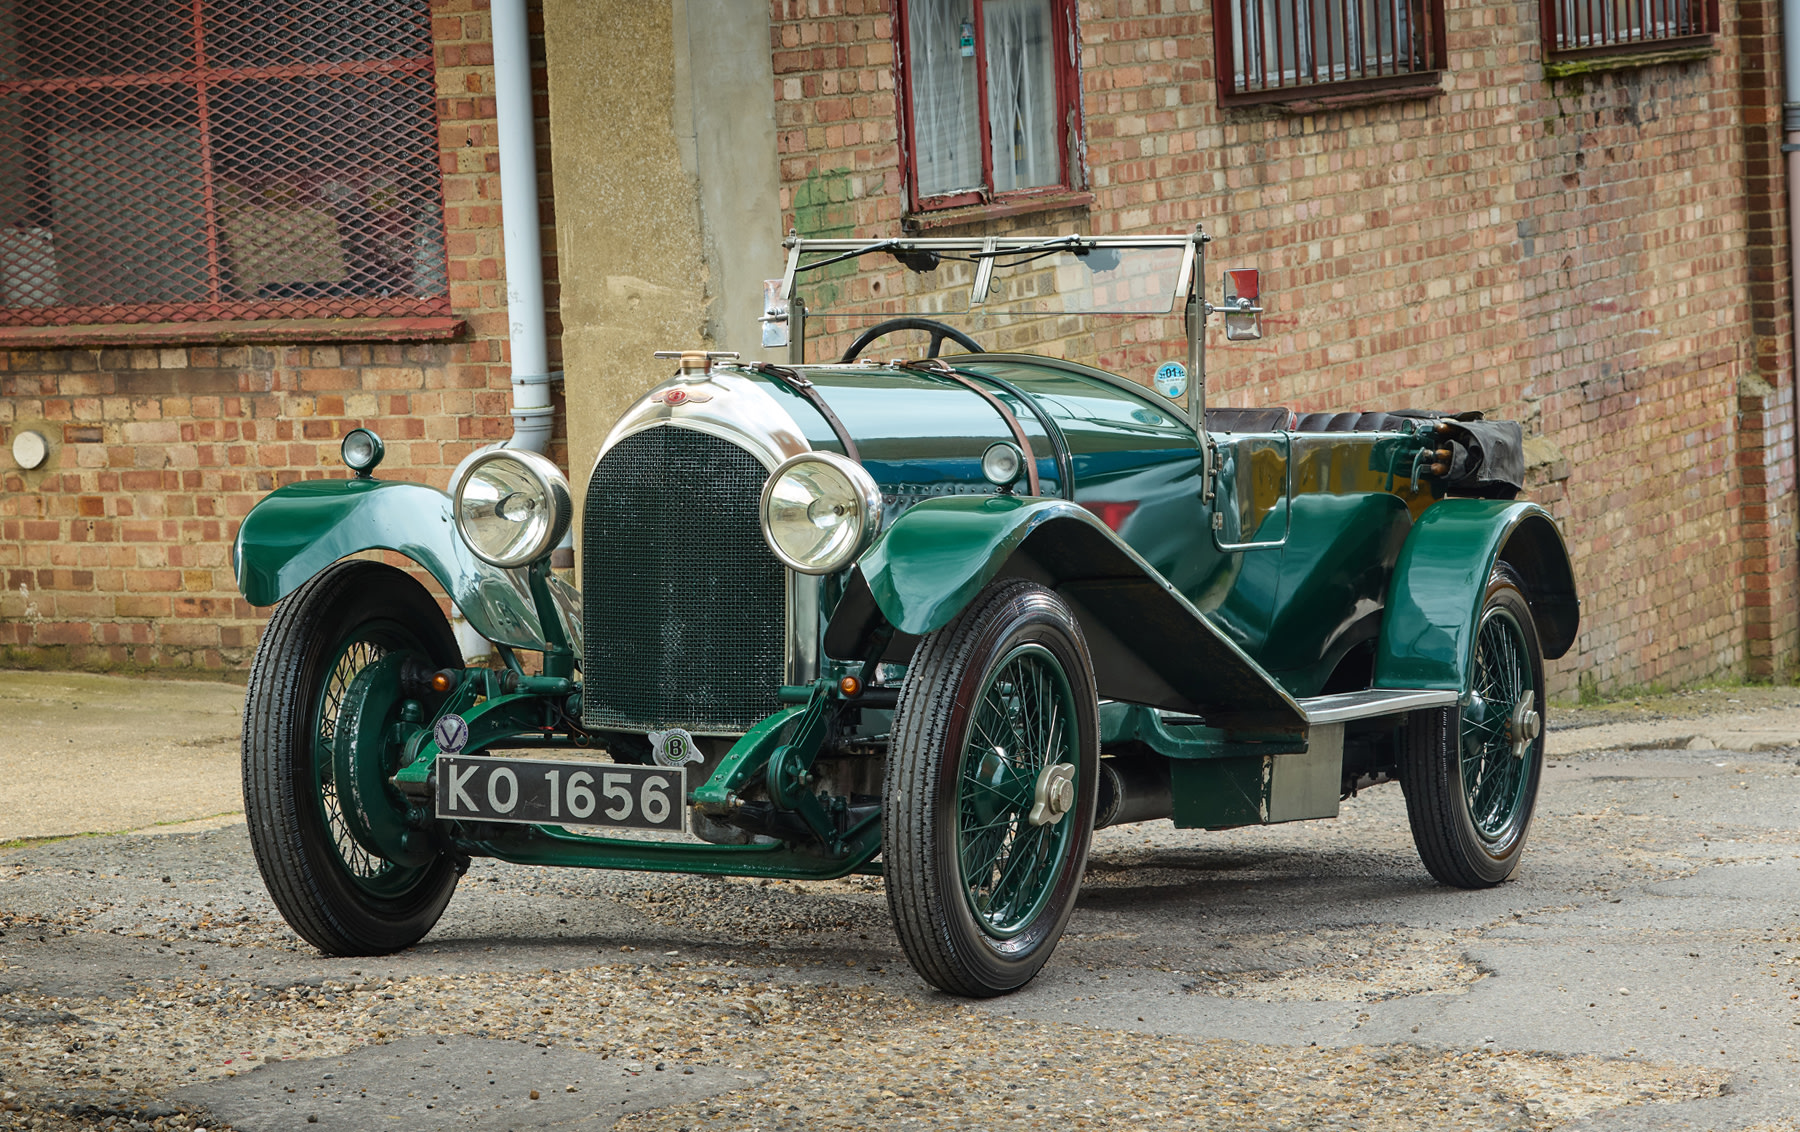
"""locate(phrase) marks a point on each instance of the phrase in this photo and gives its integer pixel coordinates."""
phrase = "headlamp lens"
(816, 515)
(510, 509)
(1002, 463)
(361, 450)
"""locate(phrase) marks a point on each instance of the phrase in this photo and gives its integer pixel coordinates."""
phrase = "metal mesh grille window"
(182, 160)
(1283, 49)
(1576, 28)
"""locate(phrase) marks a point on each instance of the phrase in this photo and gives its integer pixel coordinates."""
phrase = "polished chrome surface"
(1524, 726)
(1376, 701)
(726, 404)
(549, 481)
(868, 517)
(1053, 795)
(733, 406)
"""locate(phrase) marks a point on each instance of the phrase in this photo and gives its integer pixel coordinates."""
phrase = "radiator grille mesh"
(685, 608)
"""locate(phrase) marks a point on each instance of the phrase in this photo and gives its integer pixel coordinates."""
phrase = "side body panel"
(1150, 645)
(298, 530)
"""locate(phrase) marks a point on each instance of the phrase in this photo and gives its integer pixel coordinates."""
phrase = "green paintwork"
(361, 762)
(547, 845)
(1178, 613)
(789, 775)
(493, 717)
(934, 559)
(747, 761)
(1221, 793)
(937, 556)
(300, 529)
(1133, 723)
(1434, 600)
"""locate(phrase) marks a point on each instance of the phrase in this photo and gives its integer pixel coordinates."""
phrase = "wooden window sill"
(994, 210)
(1617, 59)
(234, 333)
(1337, 96)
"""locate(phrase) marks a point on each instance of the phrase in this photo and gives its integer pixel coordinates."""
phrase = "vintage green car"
(935, 618)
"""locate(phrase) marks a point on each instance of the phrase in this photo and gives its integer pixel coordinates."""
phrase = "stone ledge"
(994, 210)
(234, 333)
(1593, 64)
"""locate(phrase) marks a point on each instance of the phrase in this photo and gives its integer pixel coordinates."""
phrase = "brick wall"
(116, 554)
(1603, 258)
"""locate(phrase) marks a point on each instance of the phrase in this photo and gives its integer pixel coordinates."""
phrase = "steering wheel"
(938, 331)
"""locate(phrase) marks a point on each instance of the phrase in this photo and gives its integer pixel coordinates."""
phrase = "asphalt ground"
(1639, 973)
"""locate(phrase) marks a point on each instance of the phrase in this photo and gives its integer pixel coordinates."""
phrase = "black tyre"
(991, 781)
(330, 883)
(1471, 772)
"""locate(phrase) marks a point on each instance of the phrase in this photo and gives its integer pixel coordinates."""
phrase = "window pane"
(46, 39)
(211, 159)
(1279, 44)
(945, 102)
(326, 187)
(1021, 59)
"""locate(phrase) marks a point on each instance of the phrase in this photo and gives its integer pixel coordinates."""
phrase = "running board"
(1347, 706)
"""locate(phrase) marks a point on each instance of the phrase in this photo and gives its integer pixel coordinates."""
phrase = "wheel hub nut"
(1054, 795)
(1524, 726)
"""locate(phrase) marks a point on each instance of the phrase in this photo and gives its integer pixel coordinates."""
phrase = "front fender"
(1435, 597)
(1149, 644)
(300, 529)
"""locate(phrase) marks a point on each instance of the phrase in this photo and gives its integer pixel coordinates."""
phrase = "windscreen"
(1046, 281)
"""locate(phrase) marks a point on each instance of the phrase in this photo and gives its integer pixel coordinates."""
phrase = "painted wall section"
(628, 233)
(725, 123)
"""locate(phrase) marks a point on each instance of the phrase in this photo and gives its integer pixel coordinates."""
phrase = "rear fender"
(1149, 644)
(1434, 600)
(300, 529)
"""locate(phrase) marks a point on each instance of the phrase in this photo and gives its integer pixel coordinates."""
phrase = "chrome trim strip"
(1346, 706)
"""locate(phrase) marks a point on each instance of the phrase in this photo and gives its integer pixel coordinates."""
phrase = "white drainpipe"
(531, 409)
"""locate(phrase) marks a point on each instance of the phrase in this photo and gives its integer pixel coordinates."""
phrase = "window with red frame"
(1283, 50)
(990, 99)
(183, 160)
(1580, 28)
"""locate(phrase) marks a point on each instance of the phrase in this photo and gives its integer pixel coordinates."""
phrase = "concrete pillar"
(662, 125)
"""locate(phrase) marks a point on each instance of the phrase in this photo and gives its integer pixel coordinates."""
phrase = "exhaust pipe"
(1133, 788)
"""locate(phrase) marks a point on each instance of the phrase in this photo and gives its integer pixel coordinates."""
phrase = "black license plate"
(559, 792)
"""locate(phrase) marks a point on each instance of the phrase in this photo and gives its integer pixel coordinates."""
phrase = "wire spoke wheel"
(1471, 773)
(991, 781)
(316, 696)
(1020, 728)
(358, 861)
(1492, 771)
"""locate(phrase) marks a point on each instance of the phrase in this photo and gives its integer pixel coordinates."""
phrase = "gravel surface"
(1641, 972)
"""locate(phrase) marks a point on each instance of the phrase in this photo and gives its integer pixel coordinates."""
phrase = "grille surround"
(684, 606)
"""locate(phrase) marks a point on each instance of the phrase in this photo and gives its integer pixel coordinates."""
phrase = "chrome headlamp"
(819, 511)
(512, 507)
